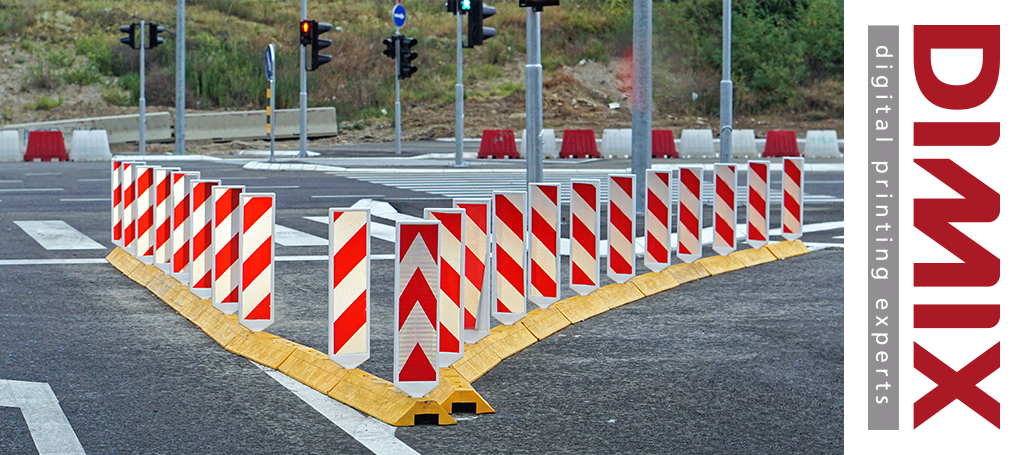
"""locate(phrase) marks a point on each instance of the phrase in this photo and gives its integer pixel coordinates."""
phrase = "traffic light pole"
(459, 87)
(302, 90)
(534, 98)
(398, 95)
(641, 101)
(726, 87)
(179, 81)
(142, 87)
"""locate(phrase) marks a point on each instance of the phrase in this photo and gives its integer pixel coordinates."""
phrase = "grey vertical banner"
(883, 208)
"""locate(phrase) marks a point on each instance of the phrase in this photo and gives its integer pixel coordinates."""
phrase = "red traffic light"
(306, 32)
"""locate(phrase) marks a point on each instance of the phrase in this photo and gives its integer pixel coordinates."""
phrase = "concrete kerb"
(381, 399)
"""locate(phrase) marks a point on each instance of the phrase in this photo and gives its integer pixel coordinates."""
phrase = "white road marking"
(344, 196)
(286, 236)
(314, 258)
(30, 190)
(93, 180)
(50, 429)
(44, 173)
(815, 246)
(377, 230)
(53, 261)
(278, 187)
(243, 178)
(22, 181)
(87, 199)
(375, 435)
(58, 235)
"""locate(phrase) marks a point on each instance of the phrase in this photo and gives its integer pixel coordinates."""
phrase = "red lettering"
(957, 385)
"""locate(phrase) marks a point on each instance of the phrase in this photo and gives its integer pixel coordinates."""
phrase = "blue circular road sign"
(269, 62)
(399, 15)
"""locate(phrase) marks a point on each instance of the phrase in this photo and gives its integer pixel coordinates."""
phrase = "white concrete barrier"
(549, 148)
(821, 144)
(320, 122)
(744, 145)
(10, 146)
(696, 144)
(89, 146)
(120, 128)
(616, 143)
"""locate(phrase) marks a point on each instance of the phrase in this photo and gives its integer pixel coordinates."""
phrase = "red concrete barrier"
(498, 144)
(46, 146)
(781, 143)
(663, 145)
(579, 144)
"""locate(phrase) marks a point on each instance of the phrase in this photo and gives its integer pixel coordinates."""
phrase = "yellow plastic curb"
(477, 360)
(685, 273)
(579, 308)
(359, 389)
(753, 256)
(454, 389)
(783, 250)
(617, 295)
(544, 322)
(653, 283)
(717, 265)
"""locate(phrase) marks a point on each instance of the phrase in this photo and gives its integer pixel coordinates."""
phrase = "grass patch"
(44, 103)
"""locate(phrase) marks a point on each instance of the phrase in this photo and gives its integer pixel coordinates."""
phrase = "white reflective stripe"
(51, 432)
(58, 235)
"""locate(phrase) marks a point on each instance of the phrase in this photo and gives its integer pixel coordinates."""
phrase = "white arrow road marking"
(50, 429)
(58, 235)
(375, 435)
(286, 236)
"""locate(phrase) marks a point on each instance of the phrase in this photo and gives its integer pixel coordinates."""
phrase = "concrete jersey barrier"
(120, 128)
(10, 146)
(320, 122)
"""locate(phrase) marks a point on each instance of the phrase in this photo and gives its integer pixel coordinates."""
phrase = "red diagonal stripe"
(502, 307)
(226, 257)
(543, 231)
(509, 269)
(724, 230)
(587, 192)
(510, 215)
(254, 210)
(724, 191)
(201, 241)
(447, 341)
(261, 311)
(760, 170)
(756, 200)
(658, 208)
(163, 190)
(450, 280)
(146, 221)
(478, 213)
(352, 319)
(691, 182)
(117, 196)
(690, 222)
(117, 231)
(225, 205)
(130, 233)
(474, 270)
(409, 233)
(418, 290)
(551, 191)
(656, 249)
(256, 263)
(130, 194)
(145, 180)
(181, 212)
(541, 281)
(792, 171)
(618, 263)
(792, 206)
(163, 232)
(754, 232)
(200, 193)
(664, 177)
(620, 221)
(579, 277)
(469, 319)
(205, 281)
(684, 248)
(626, 184)
(352, 253)
(452, 223)
(181, 257)
(582, 233)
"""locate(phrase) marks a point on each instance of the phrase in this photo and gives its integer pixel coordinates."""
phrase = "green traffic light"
(464, 5)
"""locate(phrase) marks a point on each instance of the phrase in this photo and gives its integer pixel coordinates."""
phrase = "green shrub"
(14, 17)
(116, 96)
(82, 76)
(44, 103)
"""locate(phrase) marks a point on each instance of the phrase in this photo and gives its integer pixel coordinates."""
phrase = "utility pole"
(179, 81)
(459, 87)
(726, 87)
(142, 87)
(398, 94)
(534, 98)
(641, 103)
(302, 89)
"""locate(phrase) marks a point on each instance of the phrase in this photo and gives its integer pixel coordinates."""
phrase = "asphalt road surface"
(747, 362)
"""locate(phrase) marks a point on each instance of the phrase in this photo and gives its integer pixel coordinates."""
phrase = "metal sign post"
(399, 17)
(459, 87)
(726, 87)
(302, 89)
(270, 65)
(142, 87)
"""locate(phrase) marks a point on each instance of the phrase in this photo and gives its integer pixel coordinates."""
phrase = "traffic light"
(464, 5)
(477, 32)
(538, 4)
(458, 6)
(406, 54)
(153, 35)
(130, 39)
(306, 32)
(319, 44)
(389, 47)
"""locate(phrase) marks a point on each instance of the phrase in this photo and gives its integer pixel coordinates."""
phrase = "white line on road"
(30, 190)
(375, 435)
(243, 178)
(87, 199)
(277, 187)
(93, 180)
(286, 236)
(50, 429)
(20, 181)
(79, 261)
(58, 235)
(373, 257)
(44, 173)
(344, 196)
(377, 230)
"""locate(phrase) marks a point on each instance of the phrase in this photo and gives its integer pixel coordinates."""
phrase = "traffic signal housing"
(306, 32)
(477, 32)
(538, 4)
(389, 47)
(130, 39)
(458, 6)
(153, 35)
(406, 54)
(316, 59)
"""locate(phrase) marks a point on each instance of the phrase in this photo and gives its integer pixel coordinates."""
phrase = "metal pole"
(726, 87)
(273, 95)
(302, 90)
(179, 81)
(641, 103)
(398, 94)
(459, 87)
(534, 101)
(142, 87)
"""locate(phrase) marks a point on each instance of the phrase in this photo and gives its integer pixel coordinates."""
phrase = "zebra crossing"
(482, 183)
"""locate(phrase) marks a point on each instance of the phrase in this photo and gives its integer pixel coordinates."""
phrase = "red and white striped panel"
(256, 255)
(657, 240)
(793, 198)
(452, 264)
(476, 289)
(690, 216)
(416, 307)
(181, 233)
(349, 266)
(622, 226)
(545, 229)
(724, 224)
(583, 233)
(201, 220)
(115, 202)
(128, 214)
(144, 209)
(225, 244)
(162, 209)
(757, 203)
(510, 279)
